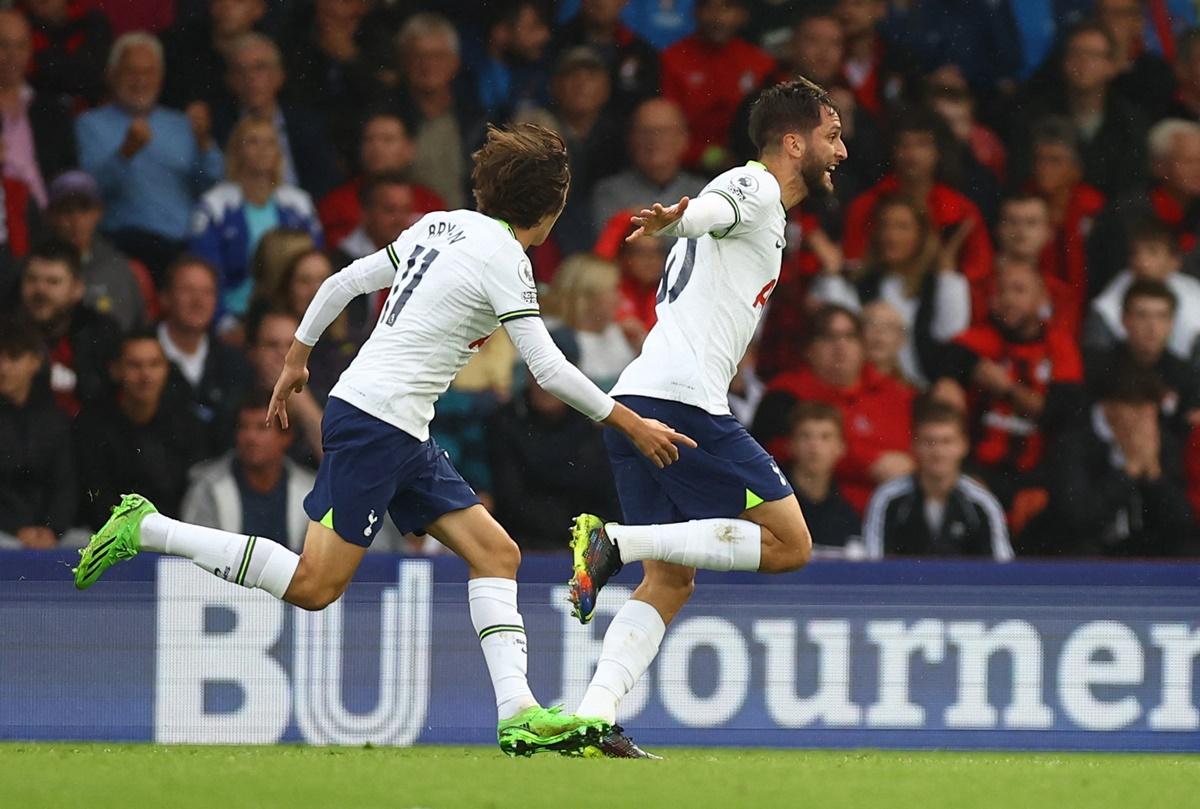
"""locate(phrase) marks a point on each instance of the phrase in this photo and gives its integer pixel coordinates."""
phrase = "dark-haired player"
(725, 505)
(455, 277)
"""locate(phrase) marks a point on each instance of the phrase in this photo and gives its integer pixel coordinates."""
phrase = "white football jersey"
(713, 292)
(458, 276)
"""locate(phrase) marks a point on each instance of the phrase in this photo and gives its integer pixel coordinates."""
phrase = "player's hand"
(657, 441)
(650, 221)
(292, 379)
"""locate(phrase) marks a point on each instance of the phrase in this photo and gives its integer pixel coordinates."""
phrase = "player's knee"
(502, 557)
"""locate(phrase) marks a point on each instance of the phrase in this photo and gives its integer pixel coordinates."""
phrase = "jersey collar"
(756, 164)
(507, 226)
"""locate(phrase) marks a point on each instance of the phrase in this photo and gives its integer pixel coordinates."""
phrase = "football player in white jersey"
(725, 505)
(455, 277)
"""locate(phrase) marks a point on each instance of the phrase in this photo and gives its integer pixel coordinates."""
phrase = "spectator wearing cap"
(547, 462)
(151, 162)
(632, 62)
(708, 74)
(384, 147)
(79, 340)
(198, 50)
(113, 286)
(253, 200)
(658, 138)
(37, 466)
(37, 147)
(255, 78)
(71, 43)
(511, 73)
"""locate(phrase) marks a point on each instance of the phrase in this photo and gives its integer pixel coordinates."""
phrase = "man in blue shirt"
(151, 162)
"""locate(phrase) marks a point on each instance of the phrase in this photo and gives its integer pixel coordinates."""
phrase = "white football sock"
(501, 632)
(630, 646)
(255, 562)
(717, 544)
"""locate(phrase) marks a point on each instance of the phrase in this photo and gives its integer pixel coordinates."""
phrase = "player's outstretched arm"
(550, 368)
(689, 218)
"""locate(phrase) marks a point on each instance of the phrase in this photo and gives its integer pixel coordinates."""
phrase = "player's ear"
(793, 145)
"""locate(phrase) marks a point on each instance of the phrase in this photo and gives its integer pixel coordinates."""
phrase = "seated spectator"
(708, 74)
(37, 466)
(112, 287)
(908, 267)
(385, 147)
(937, 510)
(884, 336)
(873, 68)
(269, 338)
(255, 80)
(254, 489)
(875, 408)
(72, 42)
(387, 210)
(137, 441)
(234, 215)
(511, 73)
(952, 100)
(37, 147)
(585, 300)
(1148, 310)
(277, 249)
(632, 62)
(547, 463)
(1154, 256)
(211, 375)
(151, 162)
(445, 122)
(1186, 102)
(915, 157)
(80, 341)
(198, 51)
(817, 444)
(1116, 487)
(1019, 378)
(657, 140)
(1173, 199)
(1143, 77)
(641, 262)
(1023, 234)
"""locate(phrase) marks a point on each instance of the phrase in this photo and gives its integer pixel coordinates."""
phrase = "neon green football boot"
(117, 539)
(543, 730)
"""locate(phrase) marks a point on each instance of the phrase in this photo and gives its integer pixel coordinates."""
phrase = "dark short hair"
(1056, 130)
(1146, 288)
(928, 410)
(57, 251)
(189, 260)
(138, 335)
(920, 120)
(823, 318)
(1018, 197)
(257, 398)
(521, 174)
(19, 337)
(816, 411)
(1150, 230)
(1090, 26)
(366, 193)
(255, 321)
(1131, 384)
(790, 106)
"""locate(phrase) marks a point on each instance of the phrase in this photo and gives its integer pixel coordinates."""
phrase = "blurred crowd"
(983, 343)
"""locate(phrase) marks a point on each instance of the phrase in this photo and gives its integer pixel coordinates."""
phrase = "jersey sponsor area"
(896, 654)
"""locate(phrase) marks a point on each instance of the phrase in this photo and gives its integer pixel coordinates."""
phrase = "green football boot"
(117, 539)
(545, 730)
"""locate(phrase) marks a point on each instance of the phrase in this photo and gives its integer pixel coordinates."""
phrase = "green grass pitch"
(98, 776)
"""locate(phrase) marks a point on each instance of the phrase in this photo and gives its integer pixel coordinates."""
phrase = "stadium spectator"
(112, 286)
(138, 441)
(387, 209)
(444, 122)
(37, 147)
(1019, 376)
(253, 199)
(255, 488)
(277, 249)
(915, 157)
(937, 510)
(708, 74)
(1023, 233)
(512, 73)
(657, 140)
(255, 79)
(150, 161)
(1186, 101)
(871, 66)
(1154, 256)
(384, 147)
(585, 299)
(1148, 312)
(884, 337)
(632, 62)
(641, 262)
(37, 465)
(79, 340)
(547, 463)
(1111, 131)
(71, 43)
(198, 51)
(1173, 199)
(875, 408)
(211, 374)
(910, 268)
(1143, 77)
(817, 444)
(1116, 486)
(268, 339)
(947, 95)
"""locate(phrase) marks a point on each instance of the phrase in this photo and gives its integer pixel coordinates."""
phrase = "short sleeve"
(750, 192)
(509, 285)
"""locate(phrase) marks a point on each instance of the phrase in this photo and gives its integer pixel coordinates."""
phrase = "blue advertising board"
(1070, 656)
